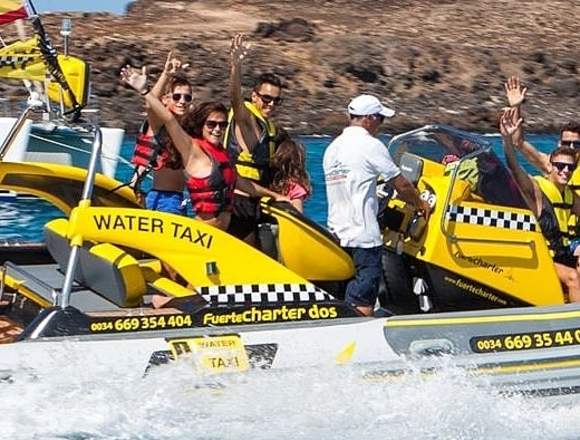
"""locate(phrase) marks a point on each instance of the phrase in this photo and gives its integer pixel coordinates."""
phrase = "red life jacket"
(213, 194)
(148, 152)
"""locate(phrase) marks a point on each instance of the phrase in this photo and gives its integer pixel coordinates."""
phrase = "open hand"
(134, 78)
(239, 48)
(508, 125)
(514, 91)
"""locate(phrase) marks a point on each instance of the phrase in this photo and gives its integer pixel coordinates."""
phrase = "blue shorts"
(165, 201)
(363, 289)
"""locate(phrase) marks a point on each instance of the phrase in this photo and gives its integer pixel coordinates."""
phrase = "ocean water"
(24, 219)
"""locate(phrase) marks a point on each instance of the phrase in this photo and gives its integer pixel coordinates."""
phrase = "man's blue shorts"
(165, 201)
(363, 289)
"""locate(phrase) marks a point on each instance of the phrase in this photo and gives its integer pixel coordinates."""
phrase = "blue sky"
(117, 6)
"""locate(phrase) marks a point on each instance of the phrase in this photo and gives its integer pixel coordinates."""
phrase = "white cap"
(364, 105)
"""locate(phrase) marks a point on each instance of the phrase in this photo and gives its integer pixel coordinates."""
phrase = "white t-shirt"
(352, 163)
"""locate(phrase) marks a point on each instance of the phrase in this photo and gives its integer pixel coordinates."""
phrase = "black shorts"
(245, 216)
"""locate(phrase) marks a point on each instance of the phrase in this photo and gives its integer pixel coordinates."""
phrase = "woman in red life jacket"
(289, 175)
(211, 178)
(156, 152)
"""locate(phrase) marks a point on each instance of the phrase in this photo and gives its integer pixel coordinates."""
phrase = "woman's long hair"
(193, 122)
(288, 165)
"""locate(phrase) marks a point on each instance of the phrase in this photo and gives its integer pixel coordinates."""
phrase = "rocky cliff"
(432, 60)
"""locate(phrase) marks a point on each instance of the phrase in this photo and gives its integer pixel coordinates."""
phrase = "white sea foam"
(171, 403)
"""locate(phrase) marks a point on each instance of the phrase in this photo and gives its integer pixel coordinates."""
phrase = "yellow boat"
(475, 282)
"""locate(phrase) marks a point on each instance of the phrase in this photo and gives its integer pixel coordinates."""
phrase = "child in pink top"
(289, 175)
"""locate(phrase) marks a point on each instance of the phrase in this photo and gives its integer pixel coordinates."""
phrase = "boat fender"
(425, 303)
(421, 289)
(419, 286)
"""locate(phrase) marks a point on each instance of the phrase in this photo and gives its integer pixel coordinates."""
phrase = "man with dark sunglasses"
(250, 137)
(551, 200)
(155, 152)
(569, 138)
(352, 164)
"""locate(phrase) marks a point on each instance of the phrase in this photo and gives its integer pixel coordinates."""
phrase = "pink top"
(296, 191)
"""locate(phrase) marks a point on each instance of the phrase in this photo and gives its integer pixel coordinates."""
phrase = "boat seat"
(103, 268)
(39, 282)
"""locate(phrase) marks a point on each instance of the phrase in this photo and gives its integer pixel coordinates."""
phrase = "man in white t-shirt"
(352, 163)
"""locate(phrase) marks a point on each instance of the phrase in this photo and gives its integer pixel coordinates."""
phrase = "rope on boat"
(80, 150)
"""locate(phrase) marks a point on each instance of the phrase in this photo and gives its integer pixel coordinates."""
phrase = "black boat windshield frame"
(466, 153)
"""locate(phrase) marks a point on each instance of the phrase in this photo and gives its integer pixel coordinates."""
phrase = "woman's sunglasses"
(268, 99)
(177, 97)
(213, 124)
(561, 166)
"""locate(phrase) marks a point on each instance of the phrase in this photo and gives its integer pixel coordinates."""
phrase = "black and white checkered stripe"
(490, 217)
(262, 294)
(14, 60)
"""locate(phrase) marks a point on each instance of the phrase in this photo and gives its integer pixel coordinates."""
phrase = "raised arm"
(507, 128)
(541, 161)
(162, 117)
(516, 95)
(172, 66)
(242, 115)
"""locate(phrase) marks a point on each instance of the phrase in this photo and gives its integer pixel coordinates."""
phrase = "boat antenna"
(49, 56)
(65, 31)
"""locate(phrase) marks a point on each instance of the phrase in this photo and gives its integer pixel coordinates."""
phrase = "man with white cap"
(352, 163)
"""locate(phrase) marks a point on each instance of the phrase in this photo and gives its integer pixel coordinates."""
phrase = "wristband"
(145, 92)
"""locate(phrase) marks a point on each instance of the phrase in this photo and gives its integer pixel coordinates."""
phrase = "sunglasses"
(561, 166)
(378, 116)
(571, 144)
(269, 99)
(213, 124)
(177, 97)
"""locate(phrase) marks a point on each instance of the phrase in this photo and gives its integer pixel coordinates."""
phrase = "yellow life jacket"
(574, 184)
(254, 165)
(562, 204)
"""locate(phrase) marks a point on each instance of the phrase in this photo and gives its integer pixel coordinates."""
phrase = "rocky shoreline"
(437, 61)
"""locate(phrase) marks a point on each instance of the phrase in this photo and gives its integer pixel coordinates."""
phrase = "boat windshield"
(488, 176)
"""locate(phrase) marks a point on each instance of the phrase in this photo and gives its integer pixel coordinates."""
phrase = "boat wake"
(323, 403)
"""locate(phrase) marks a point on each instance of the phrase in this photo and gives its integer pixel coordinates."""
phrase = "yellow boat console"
(481, 248)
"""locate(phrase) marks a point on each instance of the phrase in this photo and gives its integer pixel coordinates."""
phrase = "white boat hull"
(350, 341)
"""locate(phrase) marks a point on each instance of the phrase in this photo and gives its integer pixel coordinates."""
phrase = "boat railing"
(63, 299)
